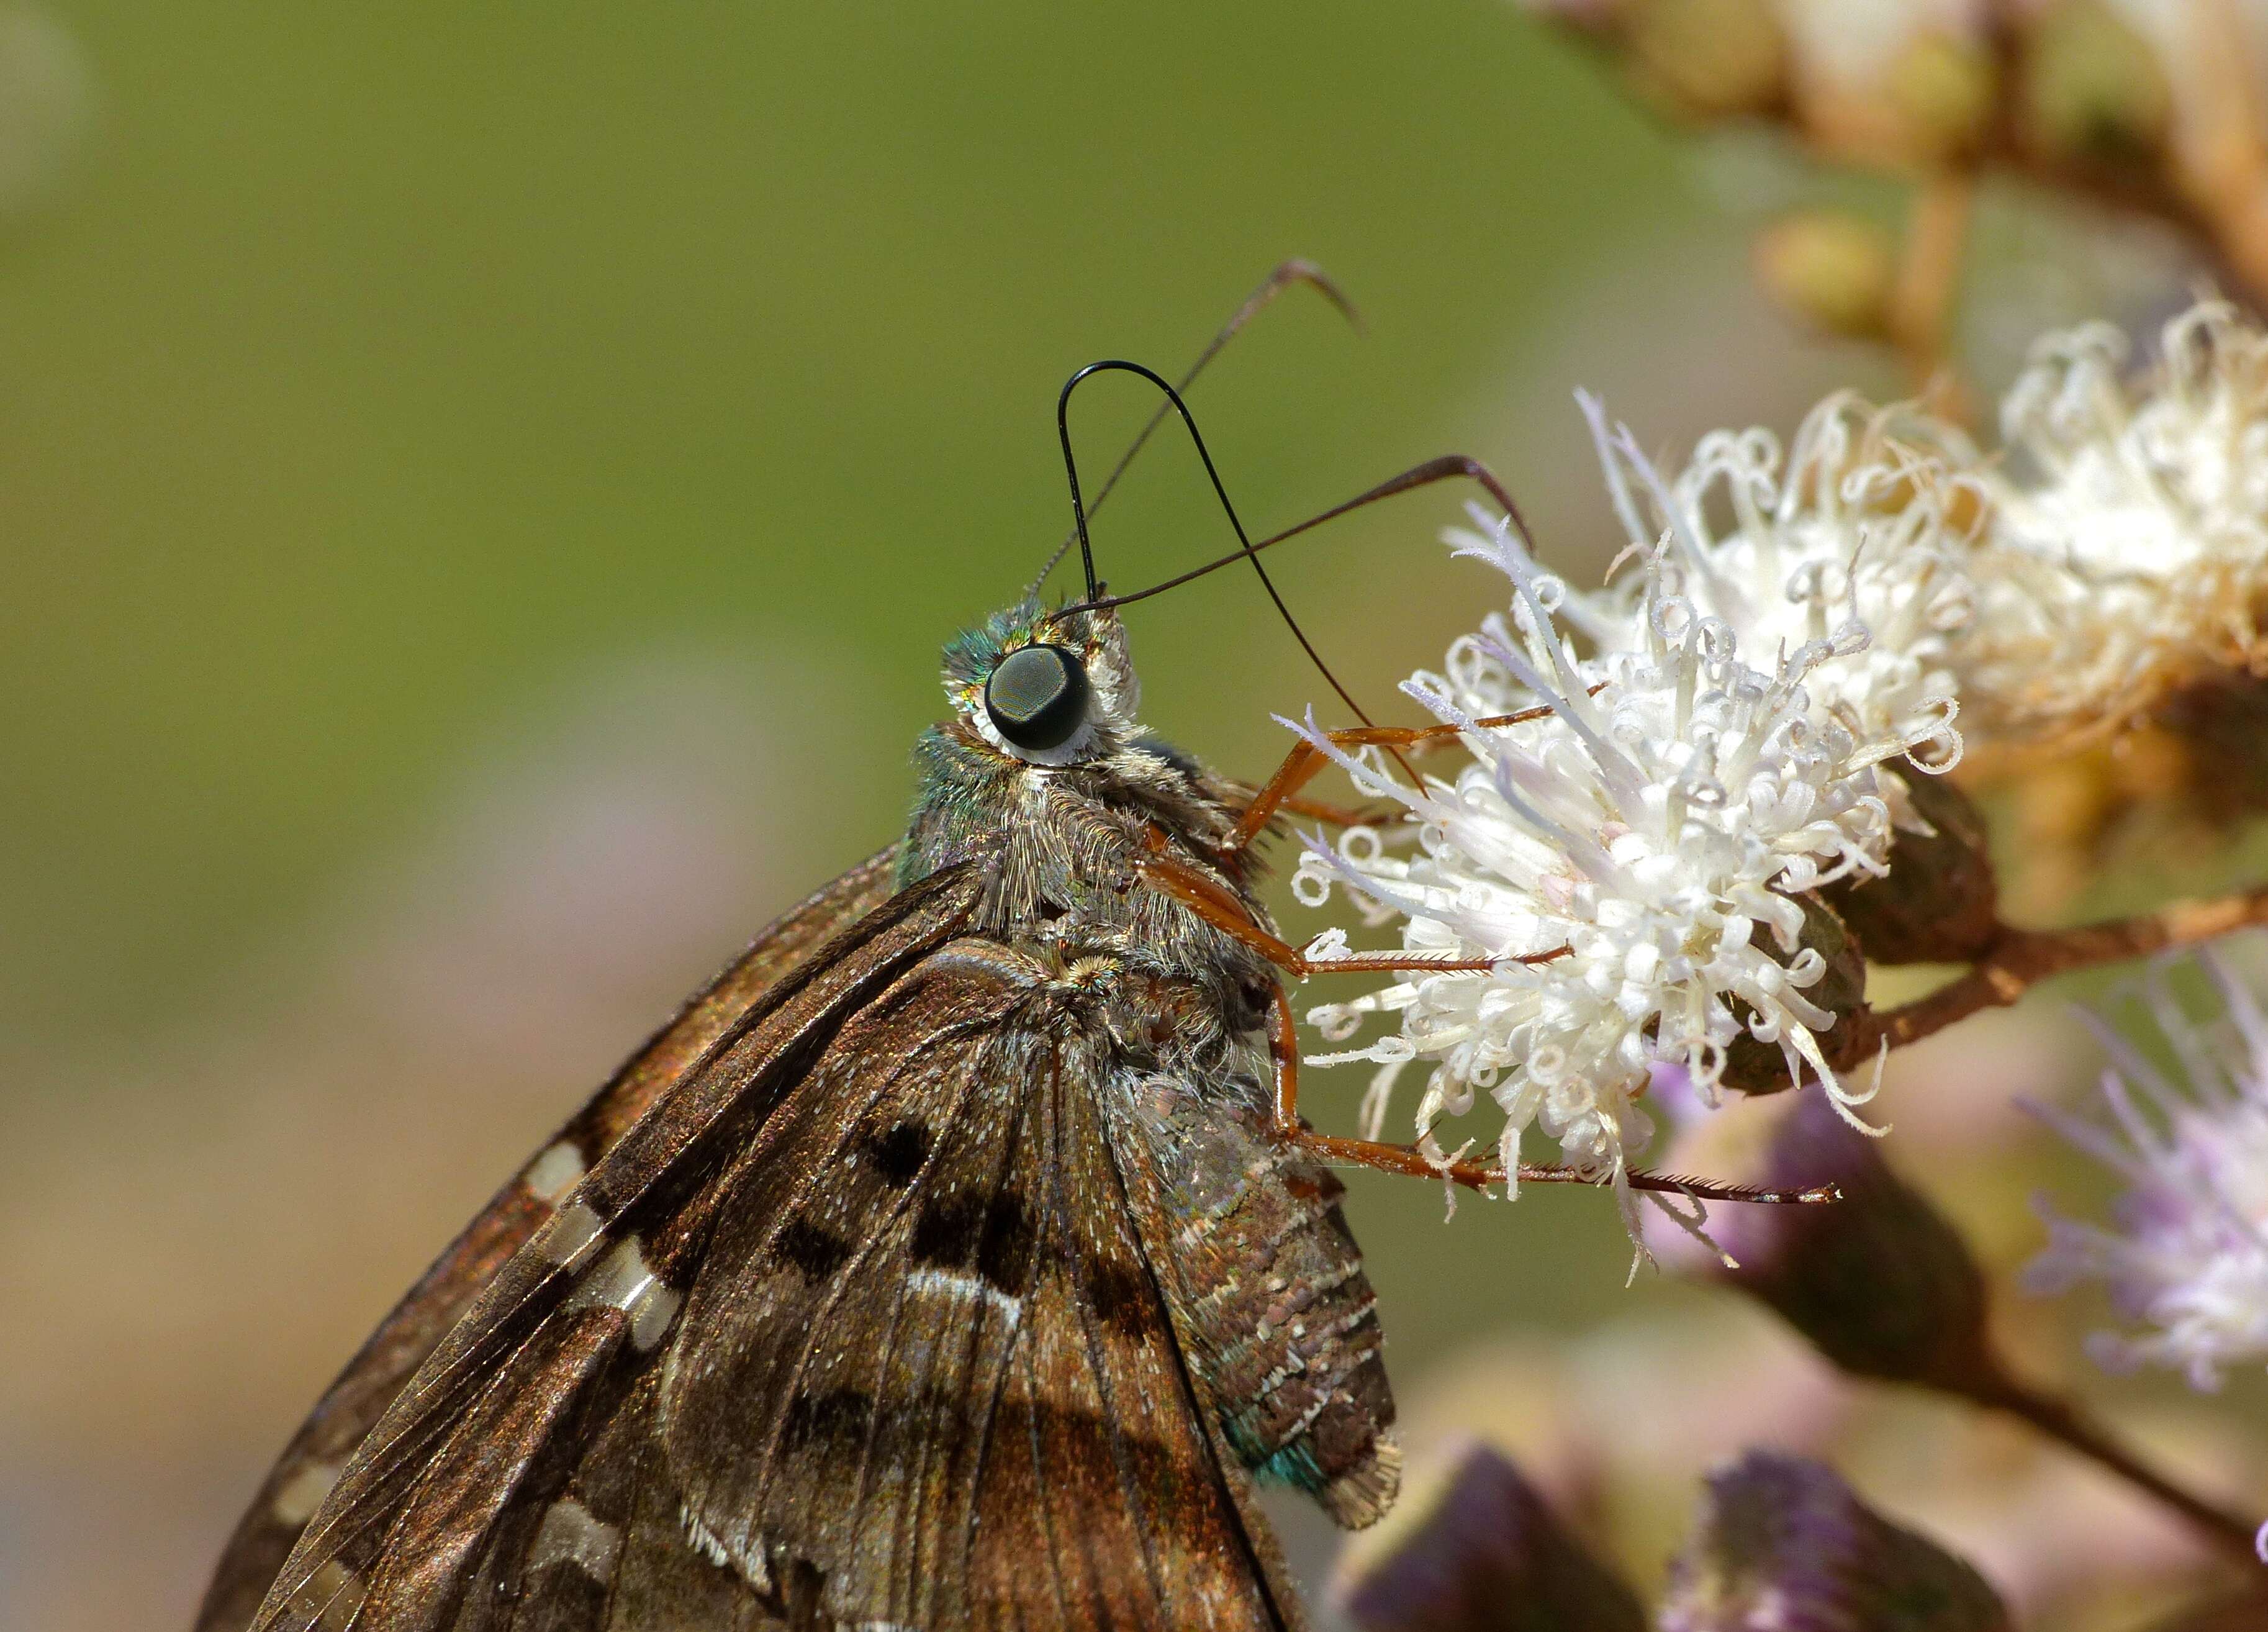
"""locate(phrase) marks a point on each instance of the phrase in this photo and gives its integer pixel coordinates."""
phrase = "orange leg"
(1315, 809)
(1411, 1162)
(1225, 912)
(1334, 815)
(1300, 766)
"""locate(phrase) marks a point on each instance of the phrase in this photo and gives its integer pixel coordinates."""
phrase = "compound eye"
(1038, 697)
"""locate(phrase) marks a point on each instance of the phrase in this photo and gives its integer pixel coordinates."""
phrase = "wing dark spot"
(992, 1236)
(1124, 1298)
(817, 1254)
(804, 1583)
(839, 1416)
(1003, 1257)
(948, 1231)
(897, 1152)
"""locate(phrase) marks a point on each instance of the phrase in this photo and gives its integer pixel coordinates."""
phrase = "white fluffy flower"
(2133, 556)
(2188, 1259)
(1655, 825)
(1846, 544)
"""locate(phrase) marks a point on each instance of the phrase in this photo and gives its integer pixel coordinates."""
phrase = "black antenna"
(1448, 467)
(1283, 276)
(1094, 597)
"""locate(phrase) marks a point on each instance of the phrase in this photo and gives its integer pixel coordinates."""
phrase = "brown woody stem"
(1928, 279)
(2018, 960)
(2220, 151)
(2069, 1427)
(2022, 958)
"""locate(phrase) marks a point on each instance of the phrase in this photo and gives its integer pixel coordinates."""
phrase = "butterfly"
(956, 1259)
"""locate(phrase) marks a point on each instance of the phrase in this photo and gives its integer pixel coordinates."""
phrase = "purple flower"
(2186, 1256)
(1484, 1554)
(1782, 1546)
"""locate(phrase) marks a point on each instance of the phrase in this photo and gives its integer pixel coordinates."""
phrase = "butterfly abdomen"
(1280, 1318)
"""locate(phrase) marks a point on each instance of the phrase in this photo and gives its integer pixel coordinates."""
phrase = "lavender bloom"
(1485, 1556)
(2187, 1257)
(1782, 1546)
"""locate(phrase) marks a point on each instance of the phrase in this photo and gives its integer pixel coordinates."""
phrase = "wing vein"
(846, 1276)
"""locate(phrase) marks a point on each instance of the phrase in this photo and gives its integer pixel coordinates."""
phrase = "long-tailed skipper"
(955, 1259)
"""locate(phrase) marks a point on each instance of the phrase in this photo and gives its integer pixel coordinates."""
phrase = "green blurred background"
(484, 488)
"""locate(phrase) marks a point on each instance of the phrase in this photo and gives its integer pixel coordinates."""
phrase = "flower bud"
(1908, 90)
(1880, 1282)
(1782, 1544)
(2094, 92)
(2220, 725)
(1939, 904)
(1944, 87)
(1755, 1067)
(1831, 269)
(1706, 59)
(1479, 1552)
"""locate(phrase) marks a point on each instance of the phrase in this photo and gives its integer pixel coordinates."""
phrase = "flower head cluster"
(2187, 1258)
(2132, 557)
(1700, 743)
(1650, 824)
(1852, 543)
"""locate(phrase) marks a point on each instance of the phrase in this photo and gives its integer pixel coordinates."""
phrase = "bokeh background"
(482, 491)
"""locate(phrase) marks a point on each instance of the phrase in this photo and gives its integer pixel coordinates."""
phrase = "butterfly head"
(1045, 688)
(1045, 774)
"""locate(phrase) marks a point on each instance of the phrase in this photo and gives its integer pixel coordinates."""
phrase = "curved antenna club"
(1449, 467)
(1094, 598)
(1286, 274)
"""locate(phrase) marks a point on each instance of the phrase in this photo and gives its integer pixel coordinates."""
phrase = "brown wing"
(926, 1377)
(312, 1462)
(921, 1374)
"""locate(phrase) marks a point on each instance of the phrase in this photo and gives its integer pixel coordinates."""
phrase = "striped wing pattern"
(317, 1453)
(854, 1327)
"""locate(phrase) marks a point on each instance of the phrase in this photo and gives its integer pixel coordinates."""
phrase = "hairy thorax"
(1062, 850)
